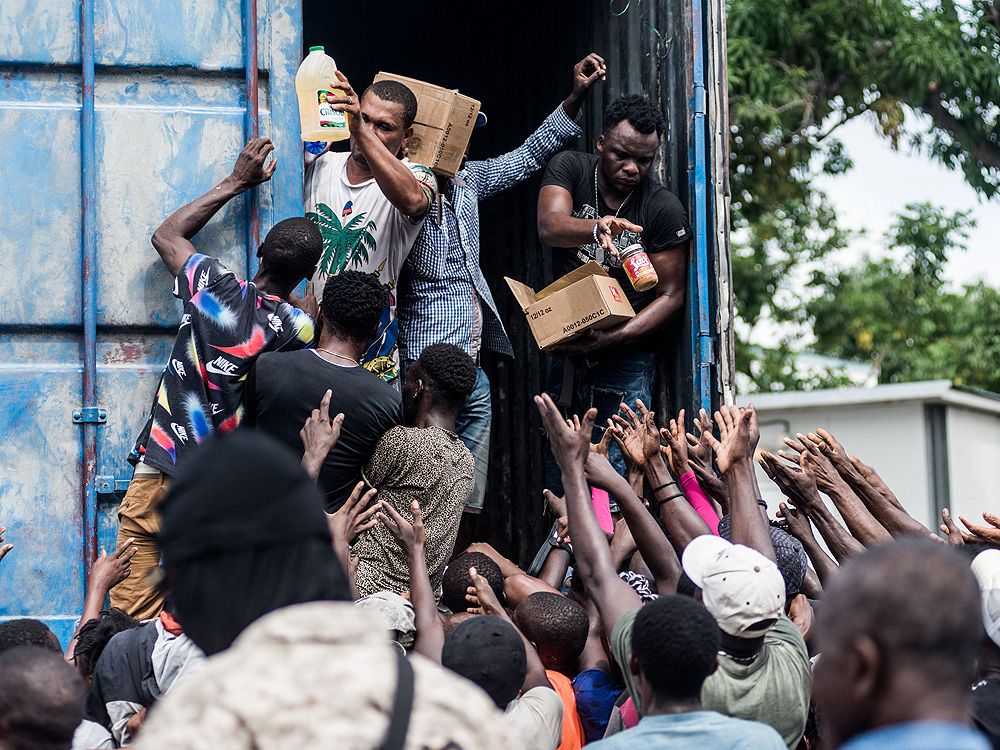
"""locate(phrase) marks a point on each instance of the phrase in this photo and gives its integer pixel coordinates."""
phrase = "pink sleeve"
(699, 501)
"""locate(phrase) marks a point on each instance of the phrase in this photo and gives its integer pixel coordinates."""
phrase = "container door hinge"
(105, 484)
(90, 415)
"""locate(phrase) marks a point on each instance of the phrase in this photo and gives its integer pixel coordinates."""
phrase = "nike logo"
(202, 280)
(179, 431)
(216, 409)
(274, 323)
(222, 366)
(178, 367)
(185, 320)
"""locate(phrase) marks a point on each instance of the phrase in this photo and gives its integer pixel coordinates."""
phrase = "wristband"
(761, 503)
(665, 484)
(596, 241)
(668, 499)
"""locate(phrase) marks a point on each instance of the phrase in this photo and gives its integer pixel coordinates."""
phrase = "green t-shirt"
(774, 689)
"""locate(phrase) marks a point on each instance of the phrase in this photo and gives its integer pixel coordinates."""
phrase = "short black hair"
(41, 699)
(27, 632)
(456, 580)
(640, 112)
(393, 91)
(918, 600)
(292, 249)
(676, 642)
(95, 634)
(353, 303)
(489, 652)
(449, 372)
(556, 625)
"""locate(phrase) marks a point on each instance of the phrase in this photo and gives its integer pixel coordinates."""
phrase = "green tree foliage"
(799, 70)
(897, 312)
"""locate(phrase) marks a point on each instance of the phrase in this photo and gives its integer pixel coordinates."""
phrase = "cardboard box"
(584, 298)
(444, 124)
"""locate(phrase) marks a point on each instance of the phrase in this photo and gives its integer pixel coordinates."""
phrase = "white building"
(935, 444)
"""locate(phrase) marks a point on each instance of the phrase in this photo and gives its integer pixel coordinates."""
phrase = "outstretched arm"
(796, 522)
(612, 596)
(889, 514)
(738, 431)
(481, 594)
(106, 573)
(412, 538)
(172, 239)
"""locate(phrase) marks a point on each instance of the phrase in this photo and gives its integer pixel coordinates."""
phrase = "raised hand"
(795, 480)
(409, 535)
(249, 169)
(600, 446)
(735, 430)
(349, 103)
(988, 534)
(699, 451)
(110, 570)
(637, 435)
(4, 548)
(677, 440)
(353, 517)
(950, 528)
(795, 522)
(319, 434)
(569, 446)
(827, 477)
(586, 72)
(481, 594)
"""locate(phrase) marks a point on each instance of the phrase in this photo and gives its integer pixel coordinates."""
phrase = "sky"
(883, 181)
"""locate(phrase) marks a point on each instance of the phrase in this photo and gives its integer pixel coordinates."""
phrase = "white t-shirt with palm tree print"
(363, 231)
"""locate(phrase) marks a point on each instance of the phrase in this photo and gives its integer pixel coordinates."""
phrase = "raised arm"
(860, 521)
(172, 239)
(490, 176)
(733, 454)
(106, 573)
(393, 177)
(481, 594)
(798, 483)
(319, 434)
(413, 539)
(612, 596)
(796, 522)
(889, 514)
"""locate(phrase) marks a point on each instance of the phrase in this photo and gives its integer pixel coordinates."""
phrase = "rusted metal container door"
(113, 114)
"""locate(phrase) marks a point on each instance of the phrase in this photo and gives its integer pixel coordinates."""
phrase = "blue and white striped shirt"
(447, 289)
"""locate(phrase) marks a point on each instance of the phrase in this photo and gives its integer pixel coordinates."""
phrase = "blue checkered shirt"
(439, 304)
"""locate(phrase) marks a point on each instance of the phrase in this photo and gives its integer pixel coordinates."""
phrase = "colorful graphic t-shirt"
(227, 324)
(363, 231)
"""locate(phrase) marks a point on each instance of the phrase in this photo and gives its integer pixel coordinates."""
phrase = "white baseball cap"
(986, 569)
(739, 586)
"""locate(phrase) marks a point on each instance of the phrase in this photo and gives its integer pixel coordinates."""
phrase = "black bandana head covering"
(489, 652)
(243, 533)
(791, 555)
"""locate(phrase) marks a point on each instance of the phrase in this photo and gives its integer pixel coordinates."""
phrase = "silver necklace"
(613, 259)
(338, 354)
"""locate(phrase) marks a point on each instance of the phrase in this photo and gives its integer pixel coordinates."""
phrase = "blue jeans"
(603, 384)
(473, 427)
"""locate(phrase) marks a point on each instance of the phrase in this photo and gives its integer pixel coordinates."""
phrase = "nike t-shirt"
(363, 231)
(227, 324)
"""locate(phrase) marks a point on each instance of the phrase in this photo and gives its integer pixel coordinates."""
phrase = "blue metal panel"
(159, 121)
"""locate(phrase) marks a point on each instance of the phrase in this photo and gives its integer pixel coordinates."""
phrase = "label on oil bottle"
(328, 116)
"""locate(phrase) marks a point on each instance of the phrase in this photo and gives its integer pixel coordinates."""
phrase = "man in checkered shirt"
(447, 299)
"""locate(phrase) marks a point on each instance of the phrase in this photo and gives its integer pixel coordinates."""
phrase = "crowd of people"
(293, 569)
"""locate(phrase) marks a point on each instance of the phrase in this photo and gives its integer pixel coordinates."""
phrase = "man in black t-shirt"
(591, 207)
(286, 387)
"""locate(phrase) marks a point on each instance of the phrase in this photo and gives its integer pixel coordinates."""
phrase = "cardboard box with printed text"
(584, 298)
(444, 124)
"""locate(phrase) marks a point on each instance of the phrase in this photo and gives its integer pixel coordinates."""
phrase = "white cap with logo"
(986, 569)
(740, 587)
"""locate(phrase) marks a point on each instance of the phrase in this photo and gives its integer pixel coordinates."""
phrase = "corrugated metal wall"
(161, 124)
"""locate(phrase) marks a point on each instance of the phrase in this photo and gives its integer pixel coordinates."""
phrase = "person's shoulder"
(785, 633)
(335, 160)
(751, 735)
(571, 159)
(660, 197)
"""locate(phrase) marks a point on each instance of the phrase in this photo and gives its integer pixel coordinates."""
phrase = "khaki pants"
(138, 518)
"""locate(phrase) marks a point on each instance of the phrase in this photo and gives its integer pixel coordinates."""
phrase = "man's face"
(626, 155)
(844, 686)
(386, 119)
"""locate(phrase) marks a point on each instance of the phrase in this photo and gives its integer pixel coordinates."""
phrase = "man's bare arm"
(172, 239)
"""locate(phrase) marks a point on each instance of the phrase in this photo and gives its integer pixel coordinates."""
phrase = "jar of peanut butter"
(640, 270)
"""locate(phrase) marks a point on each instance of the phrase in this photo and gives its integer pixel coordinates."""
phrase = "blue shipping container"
(114, 113)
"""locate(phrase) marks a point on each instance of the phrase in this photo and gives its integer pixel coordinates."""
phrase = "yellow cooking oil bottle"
(318, 120)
